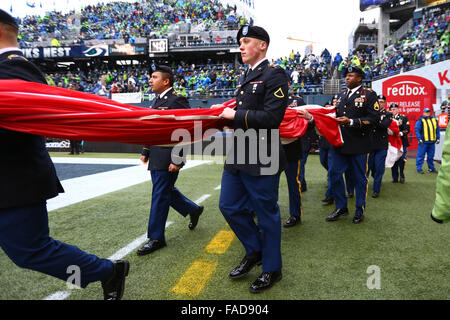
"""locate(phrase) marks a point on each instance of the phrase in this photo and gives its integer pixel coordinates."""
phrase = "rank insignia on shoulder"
(279, 93)
(376, 106)
(14, 56)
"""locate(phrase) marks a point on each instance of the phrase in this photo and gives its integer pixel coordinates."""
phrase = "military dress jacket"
(362, 107)
(379, 132)
(27, 174)
(159, 157)
(404, 126)
(261, 102)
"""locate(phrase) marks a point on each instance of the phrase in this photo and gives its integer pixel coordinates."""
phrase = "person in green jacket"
(441, 210)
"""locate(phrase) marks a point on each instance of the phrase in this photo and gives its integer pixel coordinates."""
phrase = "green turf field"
(321, 260)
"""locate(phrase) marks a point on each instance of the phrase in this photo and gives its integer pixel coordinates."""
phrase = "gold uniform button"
(242, 92)
(240, 102)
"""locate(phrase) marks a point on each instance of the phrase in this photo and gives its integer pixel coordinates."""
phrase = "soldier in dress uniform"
(294, 154)
(324, 150)
(380, 143)
(28, 179)
(357, 112)
(164, 166)
(261, 102)
(398, 169)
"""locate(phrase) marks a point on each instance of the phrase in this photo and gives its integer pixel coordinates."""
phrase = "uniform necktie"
(349, 93)
(249, 70)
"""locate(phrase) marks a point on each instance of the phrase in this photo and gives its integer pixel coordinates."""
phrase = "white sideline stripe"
(62, 295)
(218, 187)
(131, 246)
(95, 160)
(95, 185)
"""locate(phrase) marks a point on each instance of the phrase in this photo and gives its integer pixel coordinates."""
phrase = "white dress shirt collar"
(258, 63)
(164, 93)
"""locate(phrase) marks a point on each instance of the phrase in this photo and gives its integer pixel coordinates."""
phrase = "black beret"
(163, 69)
(393, 105)
(354, 69)
(5, 17)
(253, 32)
(381, 97)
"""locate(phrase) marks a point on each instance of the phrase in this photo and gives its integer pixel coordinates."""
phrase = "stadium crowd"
(427, 42)
(123, 20)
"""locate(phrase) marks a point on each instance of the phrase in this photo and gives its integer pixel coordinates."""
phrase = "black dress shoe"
(247, 264)
(265, 281)
(432, 171)
(375, 195)
(194, 218)
(358, 218)
(350, 195)
(402, 179)
(336, 214)
(395, 181)
(327, 200)
(150, 246)
(114, 285)
(292, 221)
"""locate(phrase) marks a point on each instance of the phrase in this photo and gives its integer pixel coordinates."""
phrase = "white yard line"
(95, 160)
(95, 185)
(121, 253)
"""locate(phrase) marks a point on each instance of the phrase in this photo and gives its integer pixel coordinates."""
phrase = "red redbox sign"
(443, 120)
(412, 94)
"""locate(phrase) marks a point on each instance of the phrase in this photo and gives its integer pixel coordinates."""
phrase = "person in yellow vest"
(427, 133)
(55, 43)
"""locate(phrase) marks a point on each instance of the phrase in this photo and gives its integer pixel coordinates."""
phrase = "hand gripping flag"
(60, 113)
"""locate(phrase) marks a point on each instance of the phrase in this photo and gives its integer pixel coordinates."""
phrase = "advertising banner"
(412, 94)
(127, 49)
(424, 87)
(65, 52)
(443, 120)
(133, 97)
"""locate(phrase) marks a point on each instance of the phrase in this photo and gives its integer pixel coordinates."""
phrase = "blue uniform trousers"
(349, 184)
(428, 149)
(293, 179)
(399, 166)
(323, 157)
(377, 161)
(24, 236)
(239, 191)
(357, 164)
(164, 196)
(302, 167)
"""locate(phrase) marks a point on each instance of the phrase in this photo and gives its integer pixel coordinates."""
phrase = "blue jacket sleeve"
(438, 132)
(418, 129)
